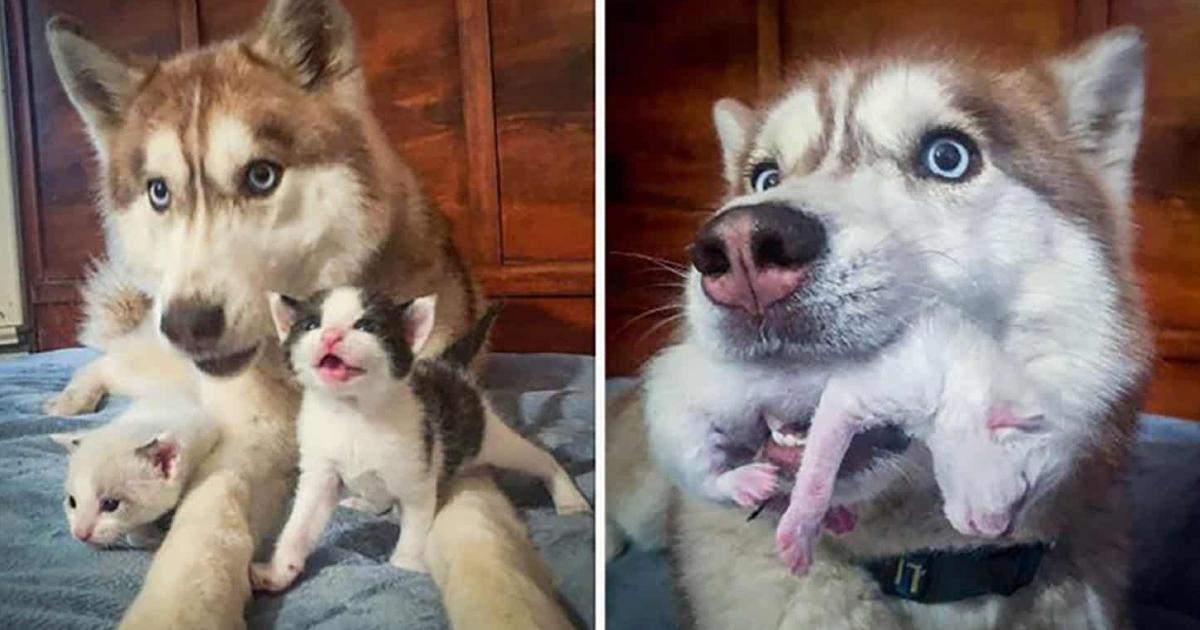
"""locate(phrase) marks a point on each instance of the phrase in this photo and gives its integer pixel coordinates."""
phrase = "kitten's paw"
(73, 401)
(408, 562)
(794, 539)
(751, 484)
(840, 520)
(271, 577)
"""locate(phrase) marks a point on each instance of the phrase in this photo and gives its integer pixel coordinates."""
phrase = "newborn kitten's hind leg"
(505, 448)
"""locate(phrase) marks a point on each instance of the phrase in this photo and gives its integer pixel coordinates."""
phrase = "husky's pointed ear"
(734, 122)
(69, 441)
(418, 321)
(283, 313)
(162, 451)
(99, 83)
(1102, 84)
(311, 40)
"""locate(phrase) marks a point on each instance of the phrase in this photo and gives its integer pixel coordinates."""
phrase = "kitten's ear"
(734, 122)
(162, 451)
(418, 321)
(99, 83)
(69, 441)
(311, 41)
(283, 313)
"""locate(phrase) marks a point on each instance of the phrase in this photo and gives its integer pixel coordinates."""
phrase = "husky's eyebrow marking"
(1018, 148)
(275, 134)
(853, 140)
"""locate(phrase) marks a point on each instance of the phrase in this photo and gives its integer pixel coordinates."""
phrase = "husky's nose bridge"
(193, 324)
(754, 256)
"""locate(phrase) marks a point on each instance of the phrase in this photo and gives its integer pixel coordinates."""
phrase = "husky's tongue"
(331, 367)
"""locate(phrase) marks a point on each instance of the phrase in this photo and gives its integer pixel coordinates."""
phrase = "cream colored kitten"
(129, 473)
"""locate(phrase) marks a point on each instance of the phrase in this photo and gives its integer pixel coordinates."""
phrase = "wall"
(491, 102)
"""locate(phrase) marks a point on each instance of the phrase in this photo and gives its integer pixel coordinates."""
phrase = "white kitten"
(388, 425)
(945, 382)
(129, 473)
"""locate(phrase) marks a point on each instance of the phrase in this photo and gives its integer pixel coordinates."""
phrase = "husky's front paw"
(567, 498)
(794, 538)
(408, 562)
(74, 401)
(751, 484)
(273, 577)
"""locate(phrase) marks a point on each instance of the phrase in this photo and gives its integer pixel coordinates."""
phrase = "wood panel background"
(491, 102)
(668, 60)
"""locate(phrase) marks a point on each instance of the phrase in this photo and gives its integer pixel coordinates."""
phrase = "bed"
(49, 580)
(1166, 554)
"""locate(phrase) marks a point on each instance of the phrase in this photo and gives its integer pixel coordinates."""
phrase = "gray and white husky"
(872, 189)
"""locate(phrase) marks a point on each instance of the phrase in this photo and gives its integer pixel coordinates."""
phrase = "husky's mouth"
(333, 369)
(785, 445)
(786, 442)
(226, 364)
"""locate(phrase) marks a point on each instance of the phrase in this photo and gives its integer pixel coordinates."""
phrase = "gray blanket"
(50, 580)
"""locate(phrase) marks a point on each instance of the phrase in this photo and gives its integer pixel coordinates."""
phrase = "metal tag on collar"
(912, 576)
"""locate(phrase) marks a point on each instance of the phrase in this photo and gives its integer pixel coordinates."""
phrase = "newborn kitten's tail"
(464, 349)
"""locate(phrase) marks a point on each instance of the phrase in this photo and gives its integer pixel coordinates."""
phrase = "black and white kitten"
(388, 425)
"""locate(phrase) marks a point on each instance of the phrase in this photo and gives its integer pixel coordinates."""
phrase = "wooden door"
(490, 101)
(669, 60)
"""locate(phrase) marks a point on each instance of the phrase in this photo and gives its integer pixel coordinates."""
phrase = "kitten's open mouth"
(226, 364)
(334, 369)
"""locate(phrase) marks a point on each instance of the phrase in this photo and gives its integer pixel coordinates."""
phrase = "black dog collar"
(937, 577)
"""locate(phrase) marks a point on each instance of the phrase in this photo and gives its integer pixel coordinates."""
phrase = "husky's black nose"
(754, 256)
(193, 325)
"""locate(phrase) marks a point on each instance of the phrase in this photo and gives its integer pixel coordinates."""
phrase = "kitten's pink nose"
(82, 534)
(332, 337)
(755, 256)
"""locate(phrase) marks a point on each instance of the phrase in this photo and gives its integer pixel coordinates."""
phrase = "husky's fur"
(1037, 244)
(343, 210)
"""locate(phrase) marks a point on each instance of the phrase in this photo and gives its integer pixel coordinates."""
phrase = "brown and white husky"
(248, 166)
(871, 190)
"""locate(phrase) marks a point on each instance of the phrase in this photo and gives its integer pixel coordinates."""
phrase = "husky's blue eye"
(948, 155)
(109, 505)
(159, 193)
(764, 176)
(262, 177)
